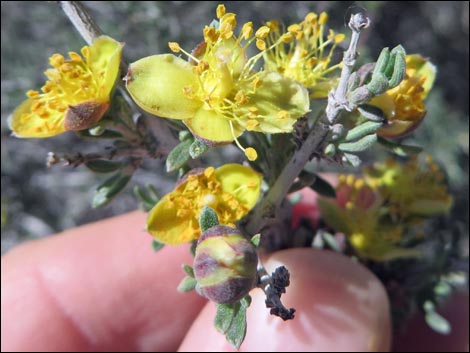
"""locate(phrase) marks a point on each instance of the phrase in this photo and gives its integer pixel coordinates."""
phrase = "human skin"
(102, 287)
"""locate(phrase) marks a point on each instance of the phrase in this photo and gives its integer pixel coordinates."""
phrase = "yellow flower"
(359, 212)
(217, 92)
(413, 189)
(76, 95)
(404, 105)
(231, 190)
(305, 54)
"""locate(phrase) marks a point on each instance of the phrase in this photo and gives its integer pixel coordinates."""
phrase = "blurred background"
(37, 201)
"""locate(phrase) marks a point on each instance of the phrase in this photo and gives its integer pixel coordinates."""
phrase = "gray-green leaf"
(103, 166)
(231, 320)
(197, 149)
(188, 270)
(208, 219)
(187, 284)
(178, 156)
(156, 245)
(398, 149)
(109, 189)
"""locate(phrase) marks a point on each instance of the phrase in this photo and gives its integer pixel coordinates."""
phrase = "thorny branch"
(337, 102)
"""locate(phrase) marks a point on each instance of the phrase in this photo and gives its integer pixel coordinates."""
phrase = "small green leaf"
(208, 218)
(378, 84)
(192, 248)
(399, 66)
(107, 134)
(382, 61)
(187, 284)
(156, 245)
(188, 270)
(97, 130)
(364, 129)
(146, 196)
(109, 189)
(330, 240)
(178, 156)
(398, 149)
(437, 322)
(184, 135)
(359, 145)
(322, 187)
(224, 316)
(230, 319)
(443, 289)
(197, 149)
(330, 150)
(255, 240)
(237, 330)
(103, 166)
(371, 112)
(352, 159)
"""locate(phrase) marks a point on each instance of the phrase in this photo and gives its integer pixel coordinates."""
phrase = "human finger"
(96, 287)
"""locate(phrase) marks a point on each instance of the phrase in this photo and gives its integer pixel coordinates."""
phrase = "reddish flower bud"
(225, 265)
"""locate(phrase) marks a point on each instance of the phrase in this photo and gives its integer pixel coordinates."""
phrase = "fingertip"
(96, 287)
(340, 306)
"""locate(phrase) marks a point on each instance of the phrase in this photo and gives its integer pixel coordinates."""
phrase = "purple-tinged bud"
(224, 265)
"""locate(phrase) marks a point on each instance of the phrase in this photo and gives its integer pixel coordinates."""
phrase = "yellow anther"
(251, 124)
(174, 47)
(262, 32)
(229, 19)
(209, 172)
(32, 94)
(241, 98)
(220, 10)
(273, 25)
(323, 18)
(247, 30)
(75, 57)
(287, 38)
(294, 29)
(56, 60)
(226, 31)
(67, 67)
(261, 44)
(210, 34)
(311, 18)
(257, 82)
(339, 38)
(85, 51)
(251, 154)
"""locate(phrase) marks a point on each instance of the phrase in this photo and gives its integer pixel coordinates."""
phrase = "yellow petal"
(243, 182)
(422, 68)
(157, 84)
(213, 128)
(104, 61)
(169, 228)
(277, 93)
(398, 128)
(23, 123)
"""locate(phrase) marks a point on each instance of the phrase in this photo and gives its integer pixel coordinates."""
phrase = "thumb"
(341, 306)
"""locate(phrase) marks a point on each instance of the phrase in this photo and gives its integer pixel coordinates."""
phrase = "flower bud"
(224, 265)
